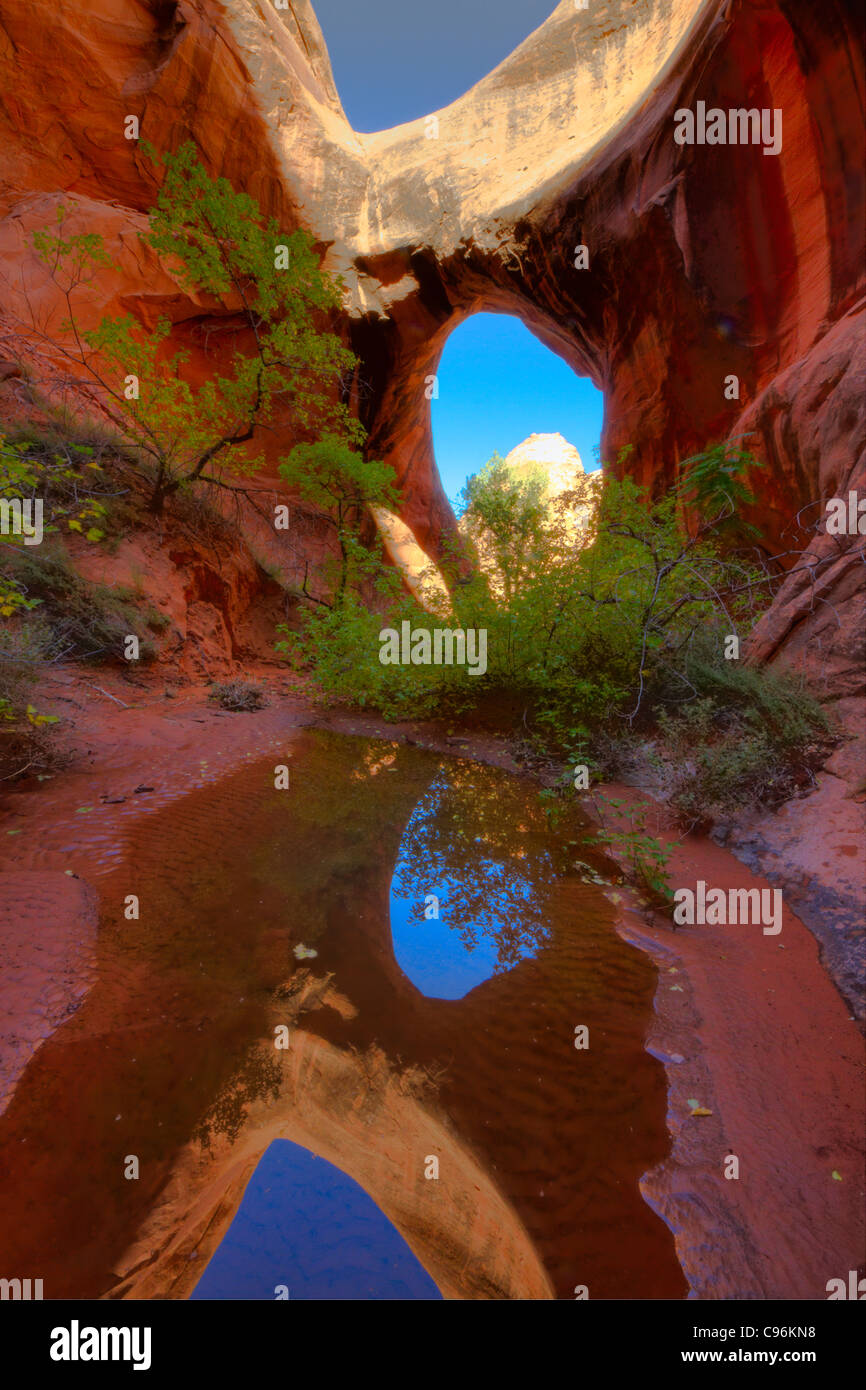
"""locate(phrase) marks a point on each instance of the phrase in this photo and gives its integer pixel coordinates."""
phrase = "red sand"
(770, 1047)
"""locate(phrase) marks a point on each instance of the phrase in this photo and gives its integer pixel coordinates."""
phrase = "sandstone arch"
(700, 267)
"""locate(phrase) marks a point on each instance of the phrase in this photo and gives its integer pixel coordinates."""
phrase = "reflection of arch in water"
(348, 1088)
(464, 1232)
(306, 1225)
(489, 899)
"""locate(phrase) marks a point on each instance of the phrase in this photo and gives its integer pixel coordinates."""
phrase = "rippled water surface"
(461, 945)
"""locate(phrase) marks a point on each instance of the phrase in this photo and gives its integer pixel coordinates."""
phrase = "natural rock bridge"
(704, 263)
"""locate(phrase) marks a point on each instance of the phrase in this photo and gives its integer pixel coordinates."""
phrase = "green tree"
(277, 297)
(342, 484)
(590, 635)
(508, 517)
(714, 485)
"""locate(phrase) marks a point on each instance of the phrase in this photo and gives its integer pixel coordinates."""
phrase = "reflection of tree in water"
(260, 1076)
(479, 840)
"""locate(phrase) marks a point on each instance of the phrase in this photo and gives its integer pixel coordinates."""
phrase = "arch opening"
(498, 390)
(303, 1219)
(386, 76)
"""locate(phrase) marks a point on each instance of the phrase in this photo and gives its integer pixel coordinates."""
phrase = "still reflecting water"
(469, 887)
(304, 1230)
(457, 1044)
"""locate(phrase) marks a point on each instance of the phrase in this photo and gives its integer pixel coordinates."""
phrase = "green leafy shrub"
(64, 478)
(341, 647)
(26, 744)
(83, 621)
(603, 642)
(179, 432)
(751, 737)
(63, 475)
(643, 856)
(165, 433)
(593, 631)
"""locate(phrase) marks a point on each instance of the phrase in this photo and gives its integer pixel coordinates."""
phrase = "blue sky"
(396, 60)
(498, 384)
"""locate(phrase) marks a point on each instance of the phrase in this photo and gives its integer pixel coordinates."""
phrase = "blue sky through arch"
(497, 385)
(396, 60)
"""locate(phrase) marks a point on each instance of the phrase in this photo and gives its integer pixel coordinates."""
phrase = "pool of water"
(463, 946)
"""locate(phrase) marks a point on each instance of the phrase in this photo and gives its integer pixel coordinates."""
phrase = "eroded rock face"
(560, 461)
(704, 262)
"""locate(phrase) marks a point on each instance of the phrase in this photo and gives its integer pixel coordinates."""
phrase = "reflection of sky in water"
(488, 910)
(306, 1224)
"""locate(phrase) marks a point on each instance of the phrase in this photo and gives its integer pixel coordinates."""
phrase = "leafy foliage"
(80, 620)
(343, 484)
(340, 646)
(645, 857)
(603, 642)
(61, 480)
(174, 428)
(65, 476)
(593, 630)
(218, 243)
(748, 737)
(509, 518)
(715, 485)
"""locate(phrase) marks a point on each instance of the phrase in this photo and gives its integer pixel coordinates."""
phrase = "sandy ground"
(815, 848)
(751, 1027)
(748, 1025)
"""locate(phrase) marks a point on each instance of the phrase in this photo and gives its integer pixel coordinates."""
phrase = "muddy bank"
(765, 1040)
(48, 926)
(814, 849)
(752, 1028)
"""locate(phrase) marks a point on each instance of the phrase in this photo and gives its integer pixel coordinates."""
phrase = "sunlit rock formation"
(566, 482)
(570, 494)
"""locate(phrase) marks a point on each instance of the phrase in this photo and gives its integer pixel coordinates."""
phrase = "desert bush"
(83, 621)
(750, 738)
(180, 433)
(237, 696)
(643, 856)
(340, 647)
(607, 645)
(26, 742)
